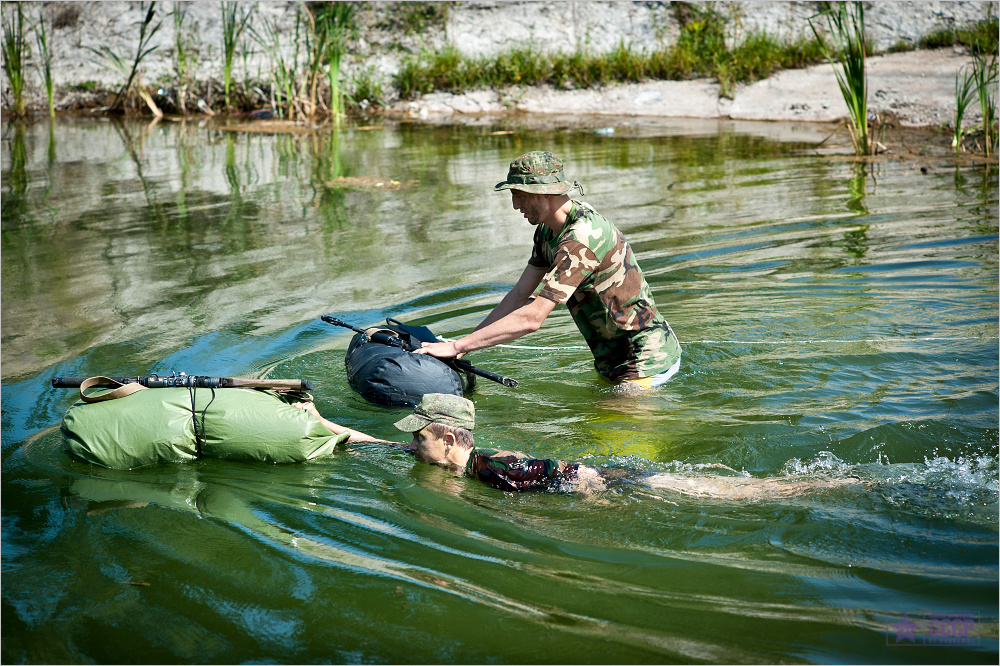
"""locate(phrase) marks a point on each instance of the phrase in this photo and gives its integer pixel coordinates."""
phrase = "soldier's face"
(429, 447)
(531, 206)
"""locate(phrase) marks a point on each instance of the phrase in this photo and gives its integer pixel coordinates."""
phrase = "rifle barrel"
(187, 380)
(499, 379)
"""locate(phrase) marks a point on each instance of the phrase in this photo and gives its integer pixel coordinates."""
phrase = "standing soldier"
(584, 261)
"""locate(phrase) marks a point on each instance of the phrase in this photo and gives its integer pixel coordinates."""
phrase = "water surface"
(837, 322)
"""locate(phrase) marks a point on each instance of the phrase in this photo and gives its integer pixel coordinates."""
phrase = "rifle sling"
(121, 391)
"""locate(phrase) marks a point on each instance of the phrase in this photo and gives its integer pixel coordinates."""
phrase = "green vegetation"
(330, 26)
(183, 55)
(46, 63)
(368, 90)
(133, 83)
(86, 86)
(846, 24)
(984, 73)
(964, 89)
(699, 52)
(15, 53)
(413, 18)
(284, 72)
(981, 37)
(234, 21)
(304, 62)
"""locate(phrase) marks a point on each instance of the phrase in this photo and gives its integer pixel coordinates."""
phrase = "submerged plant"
(846, 23)
(15, 53)
(235, 20)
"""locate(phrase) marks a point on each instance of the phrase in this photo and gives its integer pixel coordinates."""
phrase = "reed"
(964, 89)
(131, 73)
(45, 64)
(330, 26)
(846, 26)
(284, 71)
(235, 19)
(183, 55)
(15, 54)
(984, 73)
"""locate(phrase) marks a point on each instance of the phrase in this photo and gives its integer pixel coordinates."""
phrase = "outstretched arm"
(517, 297)
(336, 429)
(516, 315)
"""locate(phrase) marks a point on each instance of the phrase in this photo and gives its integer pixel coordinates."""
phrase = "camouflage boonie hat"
(537, 172)
(449, 410)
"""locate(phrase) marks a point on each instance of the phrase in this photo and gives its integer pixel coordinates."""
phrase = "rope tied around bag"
(199, 439)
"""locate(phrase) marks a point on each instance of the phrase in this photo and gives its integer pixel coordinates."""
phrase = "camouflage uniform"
(513, 472)
(505, 470)
(591, 268)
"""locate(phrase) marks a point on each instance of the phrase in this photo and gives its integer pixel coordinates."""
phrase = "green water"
(836, 321)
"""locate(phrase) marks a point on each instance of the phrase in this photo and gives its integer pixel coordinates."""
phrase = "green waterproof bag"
(158, 425)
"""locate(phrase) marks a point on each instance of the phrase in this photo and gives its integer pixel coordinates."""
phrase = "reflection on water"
(839, 329)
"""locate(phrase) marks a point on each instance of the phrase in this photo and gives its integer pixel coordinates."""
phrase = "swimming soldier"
(442, 424)
(582, 260)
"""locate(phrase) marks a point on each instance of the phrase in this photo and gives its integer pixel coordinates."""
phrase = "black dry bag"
(380, 368)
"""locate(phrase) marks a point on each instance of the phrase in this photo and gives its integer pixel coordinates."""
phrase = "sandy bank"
(917, 88)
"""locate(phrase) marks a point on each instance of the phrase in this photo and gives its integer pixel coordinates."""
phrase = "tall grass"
(183, 55)
(133, 79)
(284, 71)
(984, 73)
(980, 37)
(235, 20)
(846, 24)
(45, 64)
(964, 89)
(15, 53)
(700, 51)
(330, 25)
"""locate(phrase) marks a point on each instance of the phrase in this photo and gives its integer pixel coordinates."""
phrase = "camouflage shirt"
(515, 472)
(592, 270)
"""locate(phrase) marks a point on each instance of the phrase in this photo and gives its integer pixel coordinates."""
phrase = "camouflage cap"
(450, 410)
(537, 172)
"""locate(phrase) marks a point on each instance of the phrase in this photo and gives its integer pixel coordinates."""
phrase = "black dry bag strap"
(121, 391)
(199, 439)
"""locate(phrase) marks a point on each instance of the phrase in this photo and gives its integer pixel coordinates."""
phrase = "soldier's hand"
(439, 350)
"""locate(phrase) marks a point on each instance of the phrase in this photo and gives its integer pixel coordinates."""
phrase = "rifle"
(395, 341)
(184, 380)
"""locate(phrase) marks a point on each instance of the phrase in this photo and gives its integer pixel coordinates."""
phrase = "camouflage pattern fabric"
(592, 270)
(515, 472)
(449, 410)
(537, 172)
